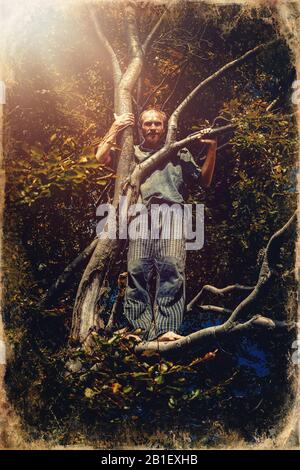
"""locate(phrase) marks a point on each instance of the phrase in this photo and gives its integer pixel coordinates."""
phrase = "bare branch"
(194, 341)
(173, 121)
(218, 291)
(117, 73)
(273, 104)
(125, 88)
(138, 103)
(214, 308)
(147, 166)
(61, 283)
(152, 33)
(267, 271)
(135, 66)
(208, 132)
(238, 321)
(142, 170)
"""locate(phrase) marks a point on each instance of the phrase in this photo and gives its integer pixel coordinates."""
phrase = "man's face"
(152, 128)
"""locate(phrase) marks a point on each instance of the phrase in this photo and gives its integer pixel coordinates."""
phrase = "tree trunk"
(85, 312)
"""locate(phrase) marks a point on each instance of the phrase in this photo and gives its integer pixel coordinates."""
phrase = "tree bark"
(85, 312)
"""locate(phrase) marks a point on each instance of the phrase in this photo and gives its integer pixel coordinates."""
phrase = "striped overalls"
(166, 257)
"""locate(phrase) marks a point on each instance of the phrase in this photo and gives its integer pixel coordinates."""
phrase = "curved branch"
(208, 132)
(267, 271)
(117, 73)
(214, 308)
(218, 291)
(61, 283)
(148, 165)
(151, 35)
(129, 79)
(194, 341)
(134, 68)
(173, 121)
(237, 322)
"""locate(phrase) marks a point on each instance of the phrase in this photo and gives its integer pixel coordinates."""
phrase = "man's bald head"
(145, 115)
(153, 124)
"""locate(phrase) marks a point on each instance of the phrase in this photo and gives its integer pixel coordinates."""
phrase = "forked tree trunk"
(85, 312)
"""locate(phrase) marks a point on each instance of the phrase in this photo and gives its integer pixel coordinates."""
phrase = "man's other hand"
(212, 142)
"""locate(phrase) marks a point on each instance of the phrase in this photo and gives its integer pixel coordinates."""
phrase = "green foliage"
(117, 384)
(254, 192)
(43, 176)
(263, 183)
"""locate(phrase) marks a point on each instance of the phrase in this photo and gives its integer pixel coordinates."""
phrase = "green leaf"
(159, 380)
(172, 402)
(89, 393)
(163, 368)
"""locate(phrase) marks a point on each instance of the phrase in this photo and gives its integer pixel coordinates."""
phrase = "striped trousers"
(165, 256)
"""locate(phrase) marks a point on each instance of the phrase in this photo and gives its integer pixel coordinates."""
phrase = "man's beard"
(150, 138)
(153, 139)
(152, 133)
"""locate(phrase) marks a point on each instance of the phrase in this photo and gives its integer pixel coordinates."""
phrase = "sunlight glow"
(17, 16)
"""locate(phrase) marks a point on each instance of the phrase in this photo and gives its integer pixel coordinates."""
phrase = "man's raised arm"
(208, 167)
(121, 122)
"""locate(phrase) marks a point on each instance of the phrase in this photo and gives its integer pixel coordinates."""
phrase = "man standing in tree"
(164, 255)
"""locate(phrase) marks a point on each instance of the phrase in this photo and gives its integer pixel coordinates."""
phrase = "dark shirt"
(166, 183)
